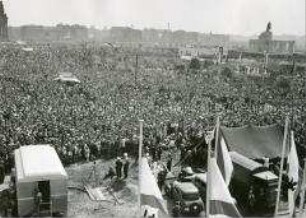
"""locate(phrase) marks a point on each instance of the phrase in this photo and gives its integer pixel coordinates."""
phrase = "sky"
(241, 17)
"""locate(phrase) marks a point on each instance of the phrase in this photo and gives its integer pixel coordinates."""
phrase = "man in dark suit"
(126, 165)
(119, 165)
(2, 171)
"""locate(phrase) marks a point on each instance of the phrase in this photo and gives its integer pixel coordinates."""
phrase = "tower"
(3, 23)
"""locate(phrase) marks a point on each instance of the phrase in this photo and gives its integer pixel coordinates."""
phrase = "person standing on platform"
(126, 165)
(119, 165)
(2, 171)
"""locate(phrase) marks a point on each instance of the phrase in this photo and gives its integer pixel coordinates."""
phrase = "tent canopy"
(255, 142)
(38, 162)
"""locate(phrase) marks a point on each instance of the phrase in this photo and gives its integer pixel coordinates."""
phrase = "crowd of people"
(119, 86)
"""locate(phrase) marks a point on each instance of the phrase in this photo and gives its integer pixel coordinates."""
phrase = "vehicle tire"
(195, 209)
(175, 212)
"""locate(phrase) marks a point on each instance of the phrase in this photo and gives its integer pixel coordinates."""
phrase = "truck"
(185, 196)
(253, 186)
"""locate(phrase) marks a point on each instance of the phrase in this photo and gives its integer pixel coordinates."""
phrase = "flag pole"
(140, 139)
(208, 178)
(139, 161)
(217, 136)
(301, 206)
(208, 184)
(281, 166)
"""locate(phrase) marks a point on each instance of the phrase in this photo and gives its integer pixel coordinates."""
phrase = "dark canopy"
(255, 142)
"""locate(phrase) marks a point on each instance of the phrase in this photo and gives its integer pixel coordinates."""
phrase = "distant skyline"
(240, 17)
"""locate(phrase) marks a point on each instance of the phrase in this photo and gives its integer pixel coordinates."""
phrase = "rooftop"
(38, 162)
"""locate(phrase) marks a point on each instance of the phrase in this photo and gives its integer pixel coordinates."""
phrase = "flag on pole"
(222, 205)
(293, 162)
(293, 173)
(223, 158)
(150, 195)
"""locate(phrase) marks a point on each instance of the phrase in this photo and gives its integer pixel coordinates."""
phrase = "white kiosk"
(41, 181)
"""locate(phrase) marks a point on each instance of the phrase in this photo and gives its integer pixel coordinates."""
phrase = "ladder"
(45, 209)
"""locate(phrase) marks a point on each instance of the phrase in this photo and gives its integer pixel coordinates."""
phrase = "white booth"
(41, 181)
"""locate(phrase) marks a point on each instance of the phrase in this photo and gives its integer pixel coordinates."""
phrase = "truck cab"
(187, 196)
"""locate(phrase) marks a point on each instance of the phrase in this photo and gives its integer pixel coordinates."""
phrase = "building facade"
(265, 43)
(273, 46)
(3, 23)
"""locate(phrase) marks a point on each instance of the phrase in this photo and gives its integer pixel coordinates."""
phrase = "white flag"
(150, 195)
(293, 162)
(222, 205)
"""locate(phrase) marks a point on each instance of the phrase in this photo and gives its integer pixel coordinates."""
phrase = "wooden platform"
(95, 194)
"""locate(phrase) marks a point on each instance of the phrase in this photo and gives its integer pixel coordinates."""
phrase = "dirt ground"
(126, 191)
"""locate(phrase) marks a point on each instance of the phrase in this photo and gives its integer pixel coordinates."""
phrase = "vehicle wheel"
(175, 212)
(196, 209)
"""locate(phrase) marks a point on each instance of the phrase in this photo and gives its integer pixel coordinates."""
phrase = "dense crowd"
(121, 85)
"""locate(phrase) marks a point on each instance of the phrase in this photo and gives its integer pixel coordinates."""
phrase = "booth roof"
(255, 142)
(38, 162)
(244, 161)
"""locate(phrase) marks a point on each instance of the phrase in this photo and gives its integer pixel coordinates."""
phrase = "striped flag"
(222, 204)
(223, 159)
(150, 195)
